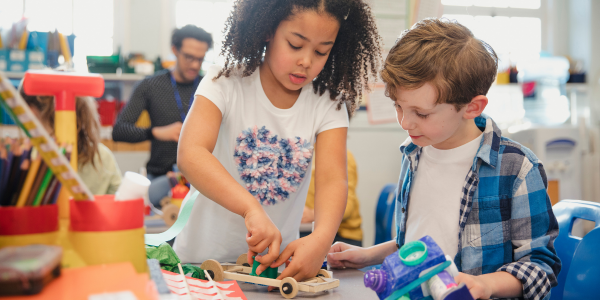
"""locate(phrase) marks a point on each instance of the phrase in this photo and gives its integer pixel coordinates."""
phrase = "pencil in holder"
(21, 226)
(107, 231)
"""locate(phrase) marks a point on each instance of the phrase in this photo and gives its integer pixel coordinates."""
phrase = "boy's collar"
(488, 149)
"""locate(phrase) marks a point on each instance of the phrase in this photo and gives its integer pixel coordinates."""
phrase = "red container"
(28, 219)
(106, 214)
(107, 111)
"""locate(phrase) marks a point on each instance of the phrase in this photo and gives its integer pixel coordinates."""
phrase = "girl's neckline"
(265, 100)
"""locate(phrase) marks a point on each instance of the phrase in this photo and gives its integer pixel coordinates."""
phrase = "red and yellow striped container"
(108, 231)
(28, 225)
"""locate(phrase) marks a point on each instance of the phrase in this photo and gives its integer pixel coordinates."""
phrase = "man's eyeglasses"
(190, 58)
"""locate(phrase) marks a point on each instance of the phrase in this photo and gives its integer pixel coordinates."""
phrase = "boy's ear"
(475, 107)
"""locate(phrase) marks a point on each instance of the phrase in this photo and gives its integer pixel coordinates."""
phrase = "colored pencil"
(24, 167)
(14, 173)
(37, 183)
(24, 171)
(43, 187)
(50, 191)
(6, 166)
(26, 190)
(56, 193)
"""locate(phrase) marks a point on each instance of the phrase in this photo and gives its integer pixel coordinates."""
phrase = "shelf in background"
(106, 76)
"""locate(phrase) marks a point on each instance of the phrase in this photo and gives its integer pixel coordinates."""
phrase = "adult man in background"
(167, 96)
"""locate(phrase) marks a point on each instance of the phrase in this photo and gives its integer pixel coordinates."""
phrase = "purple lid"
(375, 279)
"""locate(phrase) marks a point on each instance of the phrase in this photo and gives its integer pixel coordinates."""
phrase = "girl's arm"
(202, 169)
(331, 192)
(331, 182)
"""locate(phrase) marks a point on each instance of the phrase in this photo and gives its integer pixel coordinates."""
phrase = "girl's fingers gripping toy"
(419, 270)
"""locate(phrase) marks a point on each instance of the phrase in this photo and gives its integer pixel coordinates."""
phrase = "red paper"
(203, 289)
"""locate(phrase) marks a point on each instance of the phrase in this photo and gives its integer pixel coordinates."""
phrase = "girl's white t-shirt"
(268, 151)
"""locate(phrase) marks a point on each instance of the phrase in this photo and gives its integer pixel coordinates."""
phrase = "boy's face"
(428, 123)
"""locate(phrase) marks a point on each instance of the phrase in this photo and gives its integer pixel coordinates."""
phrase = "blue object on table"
(395, 275)
(384, 214)
(157, 276)
(575, 261)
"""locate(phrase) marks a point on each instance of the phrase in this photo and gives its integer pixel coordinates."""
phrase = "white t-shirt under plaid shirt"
(435, 197)
(268, 151)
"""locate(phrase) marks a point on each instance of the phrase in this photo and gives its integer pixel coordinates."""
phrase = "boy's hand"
(308, 255)
(342, 255)
(477, 285)
(262, 233)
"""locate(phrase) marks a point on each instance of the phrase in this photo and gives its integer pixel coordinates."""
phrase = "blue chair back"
(384, 214)
(584, 273)
(567, 245)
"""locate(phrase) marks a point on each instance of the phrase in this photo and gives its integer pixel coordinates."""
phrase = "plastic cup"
(133, 186)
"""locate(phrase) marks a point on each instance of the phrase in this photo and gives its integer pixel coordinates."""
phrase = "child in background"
(350, 231)
(248, 142)
(97, 166)
(480, 196)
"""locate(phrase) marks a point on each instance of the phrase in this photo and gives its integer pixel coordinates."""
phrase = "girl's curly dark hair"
(352, 63)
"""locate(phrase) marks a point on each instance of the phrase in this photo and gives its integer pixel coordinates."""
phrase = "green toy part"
(268, 273)
(413, 253)
(168, 261)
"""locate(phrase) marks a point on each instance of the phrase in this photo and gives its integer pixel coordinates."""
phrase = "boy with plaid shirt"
(481, 196)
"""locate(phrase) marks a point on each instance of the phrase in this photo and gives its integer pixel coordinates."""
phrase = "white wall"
(378, 160)
(144, 26)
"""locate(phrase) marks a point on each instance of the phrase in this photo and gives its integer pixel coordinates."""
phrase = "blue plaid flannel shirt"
(506, 219)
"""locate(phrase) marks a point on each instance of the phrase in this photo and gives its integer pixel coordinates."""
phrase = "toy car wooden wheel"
(288, 288)
(214, 267)
(170, 214)
(243, 260)
(323, 273)
(165, 201)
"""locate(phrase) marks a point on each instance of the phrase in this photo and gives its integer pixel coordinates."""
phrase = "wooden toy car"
(288, 287)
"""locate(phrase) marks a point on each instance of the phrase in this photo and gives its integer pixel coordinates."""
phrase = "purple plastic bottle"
(396, 274)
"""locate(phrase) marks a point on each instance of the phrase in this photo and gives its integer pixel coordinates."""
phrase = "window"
(531, 4)
(93, 23)
(512, 27)
(513, 38)
(10, 11)
(208, 15)
(90, 20)
(515, 30)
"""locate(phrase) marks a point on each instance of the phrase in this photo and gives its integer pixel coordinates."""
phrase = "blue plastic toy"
(419, 270)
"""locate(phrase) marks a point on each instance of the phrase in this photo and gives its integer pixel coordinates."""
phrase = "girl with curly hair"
(292, 70)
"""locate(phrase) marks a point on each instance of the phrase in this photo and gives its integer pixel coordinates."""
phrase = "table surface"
(351, 287)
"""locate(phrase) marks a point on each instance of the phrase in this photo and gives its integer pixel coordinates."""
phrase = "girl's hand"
(308, 255)
(262, 233)
(477, 285)
(342, 255)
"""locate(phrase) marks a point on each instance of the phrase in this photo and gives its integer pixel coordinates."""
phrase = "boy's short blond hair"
(444, 53)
